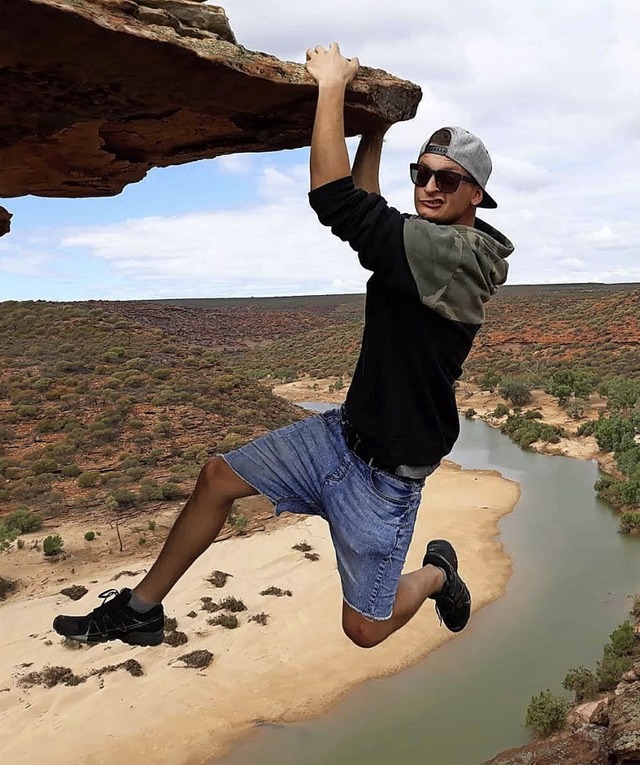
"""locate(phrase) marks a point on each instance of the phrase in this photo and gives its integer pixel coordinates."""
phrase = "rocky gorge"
(601, 732)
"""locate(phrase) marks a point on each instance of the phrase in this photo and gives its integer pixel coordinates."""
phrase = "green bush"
(611, 668)
(172, 491)
(44, 466)
(70, 471)
(516, 391)
(470, 414)
(88, 479)
(587, 428)
(582, 682)
(635, 607)
(490, 380)
(546, 713)
(90, 536)
(502, 410)
(623, 640)
(23, 521)
(149, 490)
(124, 498)
(52, 544)
(630, 521)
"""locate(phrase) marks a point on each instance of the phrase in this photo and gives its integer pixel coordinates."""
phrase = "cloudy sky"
(551, 86)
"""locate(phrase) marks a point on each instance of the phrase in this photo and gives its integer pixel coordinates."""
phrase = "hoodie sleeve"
(372, 228)
(456, 268)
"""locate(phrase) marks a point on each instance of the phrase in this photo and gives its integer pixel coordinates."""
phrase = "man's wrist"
(332, 85)
(373, 139)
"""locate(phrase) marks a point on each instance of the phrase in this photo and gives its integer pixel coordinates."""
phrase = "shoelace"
(107, 596)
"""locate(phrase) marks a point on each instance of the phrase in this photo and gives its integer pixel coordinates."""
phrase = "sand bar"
(298, 665)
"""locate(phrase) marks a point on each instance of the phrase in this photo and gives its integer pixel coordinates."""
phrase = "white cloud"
(234, 163)
(551, 87)
(276, 246)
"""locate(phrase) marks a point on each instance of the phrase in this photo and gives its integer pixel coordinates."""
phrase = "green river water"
(466, 701)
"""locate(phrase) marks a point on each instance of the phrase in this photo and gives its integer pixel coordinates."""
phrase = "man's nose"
(431, 185)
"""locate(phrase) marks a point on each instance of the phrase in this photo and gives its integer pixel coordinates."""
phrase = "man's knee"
(361, 631)
(217, 477)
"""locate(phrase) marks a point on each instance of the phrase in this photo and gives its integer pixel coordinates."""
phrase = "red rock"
(586, 746)
(116, 87)
(5, 221)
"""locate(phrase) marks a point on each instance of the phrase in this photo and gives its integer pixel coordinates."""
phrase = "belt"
(360, 449)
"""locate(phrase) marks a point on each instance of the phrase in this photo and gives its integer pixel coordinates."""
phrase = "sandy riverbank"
(297, 665)
(470, 396)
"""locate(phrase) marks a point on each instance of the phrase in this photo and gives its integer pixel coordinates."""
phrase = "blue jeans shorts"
(308, 468)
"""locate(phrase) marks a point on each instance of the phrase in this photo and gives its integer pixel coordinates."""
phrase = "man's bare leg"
(195, 528)
(413, 589)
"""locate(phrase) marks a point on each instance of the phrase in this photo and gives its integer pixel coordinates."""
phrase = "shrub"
(238, 521)
(6, 586)
(470, 414)
(232, 604)
(630, 521)
(502, 410)
(149, 490)
(277, 592)
(623, 640)
(546, 713)
(302, 547)
(230, 621)
(90, 536)
(582, 682)
(218, 578)
(88, 479)
(23, 521)
(490, 380)
(6, 434)
(44, 466)
(515, 391)
(611, 668)
(260, 618)
(587, 428)
(635, 608)
(52, 544)
(124, 498)
(172, 491)
(70, 471)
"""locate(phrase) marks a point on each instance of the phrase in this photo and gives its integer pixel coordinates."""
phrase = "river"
(466, 701)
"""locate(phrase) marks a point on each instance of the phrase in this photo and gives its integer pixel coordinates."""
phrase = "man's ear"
(477, 197)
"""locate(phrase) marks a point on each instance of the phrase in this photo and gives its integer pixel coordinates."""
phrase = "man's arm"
(366, 166)
(333, 72)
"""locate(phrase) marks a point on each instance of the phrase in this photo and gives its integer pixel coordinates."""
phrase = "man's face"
(439, 207)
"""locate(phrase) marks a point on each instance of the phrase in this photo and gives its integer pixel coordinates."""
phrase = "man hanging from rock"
(361, 467)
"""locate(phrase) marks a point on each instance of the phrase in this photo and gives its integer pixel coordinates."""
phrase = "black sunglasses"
(447, 181)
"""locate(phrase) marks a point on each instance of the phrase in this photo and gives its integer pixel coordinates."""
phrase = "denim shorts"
(308, 468)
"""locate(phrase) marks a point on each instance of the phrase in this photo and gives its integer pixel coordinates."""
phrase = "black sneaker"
(453, 602)
(114, 620)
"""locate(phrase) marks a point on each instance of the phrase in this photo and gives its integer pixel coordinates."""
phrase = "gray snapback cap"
(467, 150)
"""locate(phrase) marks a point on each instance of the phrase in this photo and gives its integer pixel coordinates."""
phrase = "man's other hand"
(328, 66)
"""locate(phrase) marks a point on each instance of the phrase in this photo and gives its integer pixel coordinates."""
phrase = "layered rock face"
(97, 92)
(606, 732)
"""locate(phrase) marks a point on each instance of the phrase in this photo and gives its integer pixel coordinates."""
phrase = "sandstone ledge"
(97, 92)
